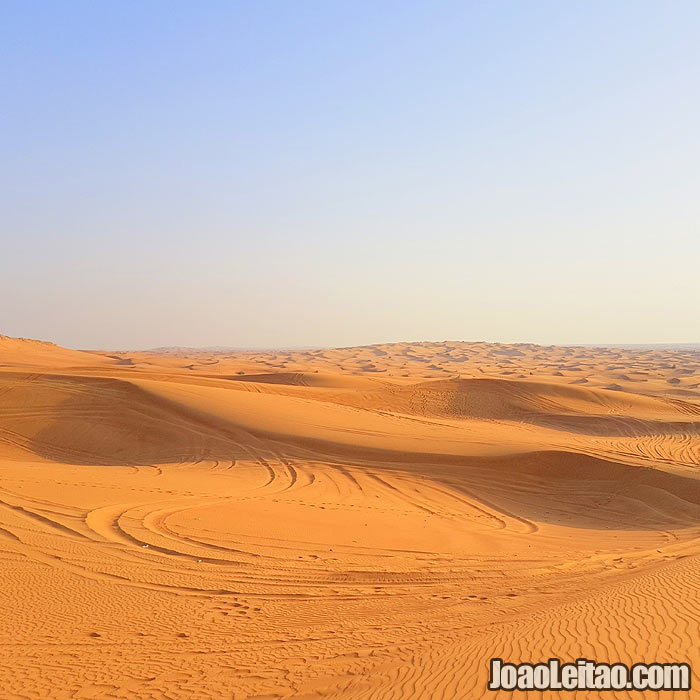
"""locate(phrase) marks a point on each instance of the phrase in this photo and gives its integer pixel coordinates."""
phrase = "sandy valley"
(369, 523)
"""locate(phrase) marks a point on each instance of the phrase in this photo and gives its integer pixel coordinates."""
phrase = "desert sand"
(371, 522)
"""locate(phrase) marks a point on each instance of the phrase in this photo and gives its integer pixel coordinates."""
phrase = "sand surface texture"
(372, 522)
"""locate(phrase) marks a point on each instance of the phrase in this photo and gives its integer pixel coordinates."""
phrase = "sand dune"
(24, 352)
(373, 522)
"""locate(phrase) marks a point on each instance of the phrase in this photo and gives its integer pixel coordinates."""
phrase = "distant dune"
(369, 522)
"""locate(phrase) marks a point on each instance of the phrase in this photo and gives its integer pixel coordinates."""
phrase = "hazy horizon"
(331, 175)
(254, 348)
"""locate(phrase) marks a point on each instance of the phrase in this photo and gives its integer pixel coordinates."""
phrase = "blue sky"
(334, 173)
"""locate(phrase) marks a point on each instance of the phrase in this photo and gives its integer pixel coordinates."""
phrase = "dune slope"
(369, 522)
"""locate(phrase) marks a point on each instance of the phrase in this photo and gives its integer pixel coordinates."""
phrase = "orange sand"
(373, 522)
